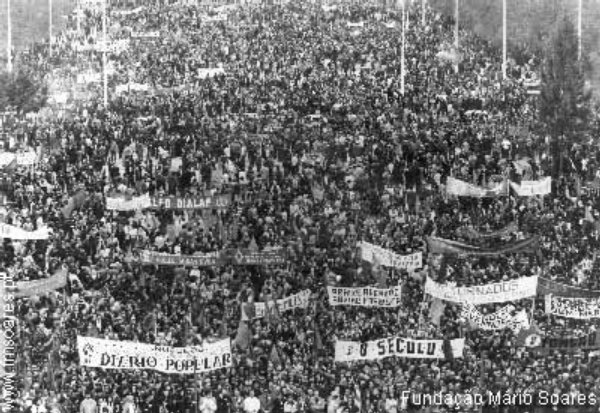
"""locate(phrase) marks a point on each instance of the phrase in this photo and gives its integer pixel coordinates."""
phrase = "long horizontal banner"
(461, 188)
(449, 247)
(292, 302)
(12, 232)
(544, 344)
(128, 355)
(373, 253)
(225, 257)
(499, 292)
(475, 235)
(499, 320)
(531, 188)
(21, 158)
(40, 287)
(546, 286)
(206, 202)
(398, 347)
(579, 308)
(172, 202)
(365, 296)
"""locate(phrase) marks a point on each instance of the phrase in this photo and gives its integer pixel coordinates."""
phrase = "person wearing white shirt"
(208, 404)
(251, 403)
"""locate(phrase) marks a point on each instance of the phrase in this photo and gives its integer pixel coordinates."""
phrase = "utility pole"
(580, 27)
(456, 35)
(9, 65)
(402, 51)
(504, 39)
(50, 25)
(104, 60)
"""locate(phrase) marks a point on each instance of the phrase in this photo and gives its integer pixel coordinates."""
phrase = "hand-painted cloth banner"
(22, 158)
(128, 204)
(129, 355)
(473, 234)
(531, 188)
(449, 247)
(375, 254)
(292, 302)
(499, 292)
(579, 308)
(12, 232)
(208, 202)
(39, 287)
(499, 320)
(225, 257)
(461, 188)
(537, 342)
(365, 296)
(396, 347)
(546, 286)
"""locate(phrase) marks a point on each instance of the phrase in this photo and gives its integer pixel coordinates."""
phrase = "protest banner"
(365, 296)
(206, 202)
(373, 253)
(473, 234)
(499, 320)
(39, 287)
(224, 257)
(12, 232)
(124, 204)
(396, 347)
(128, 355)
(449, 247)
(499, 292)
(291, 302)
(465, 189)
(571, 307)
(198, 260)
(532, 188)
(547, 286)
(542, 344)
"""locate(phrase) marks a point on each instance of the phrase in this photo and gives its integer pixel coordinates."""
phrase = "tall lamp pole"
(9, 65)
(504, 39)
(104, 60)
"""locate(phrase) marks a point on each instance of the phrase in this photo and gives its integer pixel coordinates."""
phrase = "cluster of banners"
(449, 247)
(573, 307)
(170, 202)
(299, 300)
(224, 257)
(346, 351)
(500, 292)
(365, 296)
(525, 188)
(128, 355)
(39, 287)
(12, 232)
(387, 258)
(499, 320)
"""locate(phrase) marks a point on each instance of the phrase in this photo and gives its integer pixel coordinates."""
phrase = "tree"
(564, 105)
(22, 91)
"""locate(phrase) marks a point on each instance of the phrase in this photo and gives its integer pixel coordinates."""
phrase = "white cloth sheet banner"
(12, 232)
(531, 188)
(365, 296)
(292, 302)
(133, 204)
(461, 188)
(499, 320)
(499, 292)
(382, 256)
(23, 158)
(396, 347)
(129, 355)
(570, 307)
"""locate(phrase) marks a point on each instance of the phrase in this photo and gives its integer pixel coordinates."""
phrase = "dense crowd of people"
(308, 131)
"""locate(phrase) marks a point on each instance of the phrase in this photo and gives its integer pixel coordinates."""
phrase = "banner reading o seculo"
(398, 347)
(128, 355)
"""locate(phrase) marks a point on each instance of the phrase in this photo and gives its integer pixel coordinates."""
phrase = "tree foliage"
(22, 91)
(564, 105)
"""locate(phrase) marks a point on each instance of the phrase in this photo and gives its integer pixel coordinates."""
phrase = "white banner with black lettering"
(571, 307)
(121, 203)
(292, 302)
(375, 254)
(398, 347)
(499, 292)
(531, 188)
(365, 296)
(499, 320)
(12, 232)
(129, 355)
